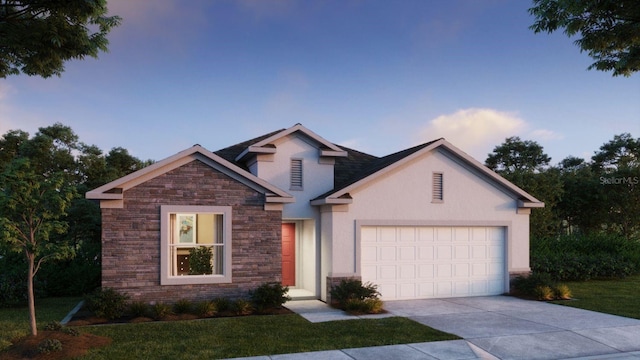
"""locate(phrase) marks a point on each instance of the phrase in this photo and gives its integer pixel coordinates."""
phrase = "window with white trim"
(437, 193)
(296, 174)
(195, 244)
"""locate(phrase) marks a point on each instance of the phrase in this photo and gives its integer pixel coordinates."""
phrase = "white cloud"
(475, 131)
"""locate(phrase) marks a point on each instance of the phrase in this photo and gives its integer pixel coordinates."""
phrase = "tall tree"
(581, 206)
(517, 156)
(617, 164)
(37, 37)
(524, 163)
(608, 29)
(31, 205)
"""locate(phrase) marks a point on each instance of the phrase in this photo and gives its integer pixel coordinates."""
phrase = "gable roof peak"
(265, 145)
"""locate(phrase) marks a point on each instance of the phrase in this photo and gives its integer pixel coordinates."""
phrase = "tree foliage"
(38, 36)
(44, 215)
(581, 197)
(524, 163)
(31, 207)
(609, 30)
(517, 156)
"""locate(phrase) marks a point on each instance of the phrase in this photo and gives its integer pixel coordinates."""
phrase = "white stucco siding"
(404, 197)
(317, 178)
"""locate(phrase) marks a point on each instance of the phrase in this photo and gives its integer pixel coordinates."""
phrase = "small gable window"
(296, 174)
(196, 245)
(437, 194)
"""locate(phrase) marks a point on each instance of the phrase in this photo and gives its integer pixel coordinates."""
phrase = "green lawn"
(618, 297)
(261, 335)
(252, 336)
(14, 322)
(223, 337)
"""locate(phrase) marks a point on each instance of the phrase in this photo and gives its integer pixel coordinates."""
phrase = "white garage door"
(433, 262)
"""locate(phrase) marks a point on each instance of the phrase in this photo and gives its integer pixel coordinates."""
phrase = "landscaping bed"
(71, 346)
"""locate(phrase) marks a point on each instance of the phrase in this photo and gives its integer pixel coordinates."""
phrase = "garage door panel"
(387, 272)
(407, 253)
(462, 270)
(444, 234)
(461, 252)
(425, 235)
(407, 271)
(369, 254)
(387, 234)
(425, 253)
(426, 271)
(407, 291)
(387, 253)
(444, 252)
(461, 234)
(427, 262)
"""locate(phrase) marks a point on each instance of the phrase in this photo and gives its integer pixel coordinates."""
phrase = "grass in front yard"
(252, 336)
(14, 322)
(618, 297)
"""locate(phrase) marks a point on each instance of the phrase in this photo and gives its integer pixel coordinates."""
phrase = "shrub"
(353, 289)
(70, 331)
(366, 306)
(242, 307)
(182, 306)
(206, 309)
(53, 326)
(160, 311)
(562, 292)
(138, 308)
(543, 292)
(49, 345)
(269, 296)
(526, 285)
(571, 258)
(223, 304)
(107, 303)
(540, 286)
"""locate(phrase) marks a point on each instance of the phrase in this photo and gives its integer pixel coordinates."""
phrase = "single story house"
(290, 206)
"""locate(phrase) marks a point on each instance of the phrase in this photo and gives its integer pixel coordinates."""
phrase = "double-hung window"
(196, 245)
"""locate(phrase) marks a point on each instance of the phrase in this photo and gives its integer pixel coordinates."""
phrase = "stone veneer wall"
(131, 235)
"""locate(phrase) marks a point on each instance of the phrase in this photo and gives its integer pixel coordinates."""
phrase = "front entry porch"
(300, 259)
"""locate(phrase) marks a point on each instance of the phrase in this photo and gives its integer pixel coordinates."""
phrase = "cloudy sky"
(377, 76)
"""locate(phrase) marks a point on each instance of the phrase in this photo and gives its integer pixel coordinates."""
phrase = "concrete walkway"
(495, 327)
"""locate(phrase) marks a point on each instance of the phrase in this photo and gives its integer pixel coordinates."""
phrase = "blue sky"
(377, 76)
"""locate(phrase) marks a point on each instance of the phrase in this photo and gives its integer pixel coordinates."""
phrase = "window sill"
(195, 280)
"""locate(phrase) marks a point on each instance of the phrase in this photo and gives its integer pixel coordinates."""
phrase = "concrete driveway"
(510, 328)
(493, 327)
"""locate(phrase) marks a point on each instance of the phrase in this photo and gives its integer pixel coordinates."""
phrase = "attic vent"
(296, 174)
(437, 194)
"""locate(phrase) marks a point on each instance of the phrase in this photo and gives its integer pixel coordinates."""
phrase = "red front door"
(289, 254)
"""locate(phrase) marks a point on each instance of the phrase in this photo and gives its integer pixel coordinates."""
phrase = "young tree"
(608, 29)
(37, 37)
(31, 205)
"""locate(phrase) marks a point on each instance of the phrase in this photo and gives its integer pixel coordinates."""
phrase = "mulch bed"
(72, 346)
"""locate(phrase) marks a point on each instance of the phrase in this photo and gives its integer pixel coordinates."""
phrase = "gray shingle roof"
(347, 170)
